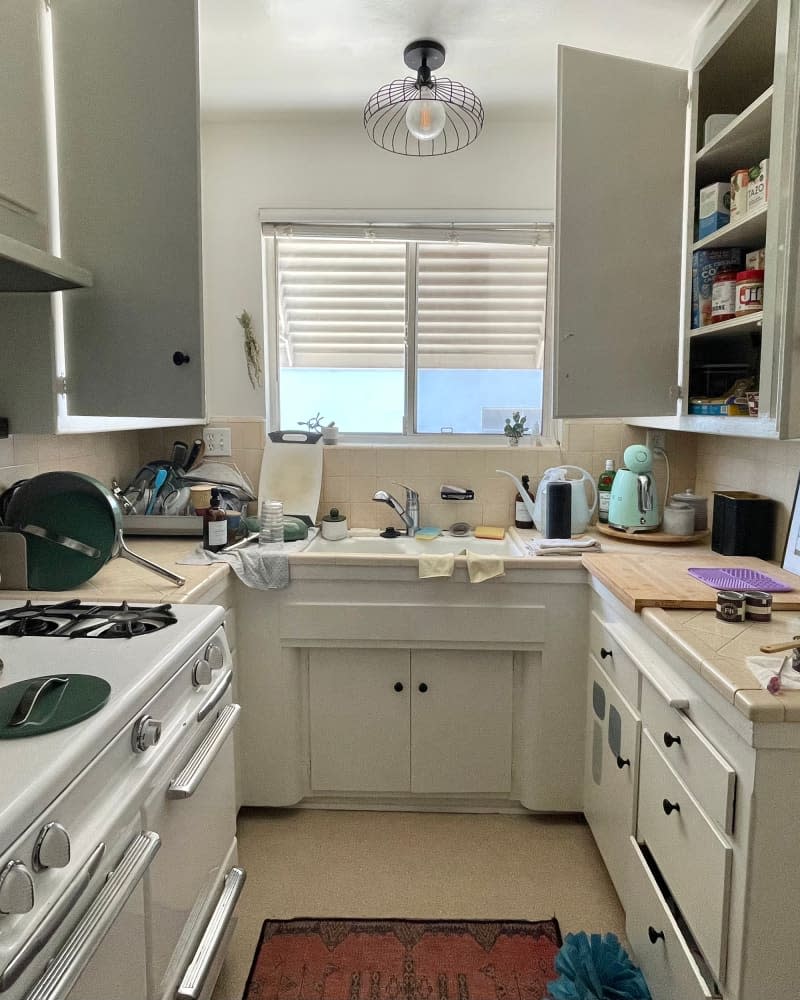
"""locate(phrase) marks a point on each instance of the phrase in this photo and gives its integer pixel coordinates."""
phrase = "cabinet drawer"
(667, 962)
(708, 775)
(616, 663)
(691, 855)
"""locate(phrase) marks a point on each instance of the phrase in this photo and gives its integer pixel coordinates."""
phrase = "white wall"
(326, 161)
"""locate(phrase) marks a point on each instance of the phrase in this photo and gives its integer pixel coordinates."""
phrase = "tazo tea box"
(714, 209)
(757, 187)
(740, 181)
(705, 265)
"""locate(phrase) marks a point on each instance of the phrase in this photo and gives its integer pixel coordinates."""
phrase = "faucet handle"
(410, 491)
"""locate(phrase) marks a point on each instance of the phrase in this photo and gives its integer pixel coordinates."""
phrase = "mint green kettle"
(634, 505)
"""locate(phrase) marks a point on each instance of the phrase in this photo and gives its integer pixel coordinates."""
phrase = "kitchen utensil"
(13, 560)
(161, 478)
(738, 578)
(291, 471)
(633, 502)
(180, 453)
(650, 537)
(45, 704)
(51, 536)
(196, 454)
(678, 519)
(781, 647)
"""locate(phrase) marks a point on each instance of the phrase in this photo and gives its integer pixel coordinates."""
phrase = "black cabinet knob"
(179, 358)
(423, 687)
(398, 686)
(622, 762)
(654, 935)
(670, 806)
(605, 652)
(669, 739)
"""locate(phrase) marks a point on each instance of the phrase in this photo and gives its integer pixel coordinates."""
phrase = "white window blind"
(481, 305)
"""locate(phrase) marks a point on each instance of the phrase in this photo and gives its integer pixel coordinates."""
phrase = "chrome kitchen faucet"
(409, 514)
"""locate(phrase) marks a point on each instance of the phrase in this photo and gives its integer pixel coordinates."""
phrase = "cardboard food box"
(754, 261)
(757, 189)
(714, 210)
(705, 265)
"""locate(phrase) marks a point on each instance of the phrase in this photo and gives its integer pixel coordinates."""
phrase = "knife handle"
(781, 647)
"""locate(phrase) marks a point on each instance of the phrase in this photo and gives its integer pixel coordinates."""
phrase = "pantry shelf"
(749, 232)
(763, 428)
(741, 144)
(751, 323)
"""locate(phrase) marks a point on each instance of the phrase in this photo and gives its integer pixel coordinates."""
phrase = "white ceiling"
(272, 56)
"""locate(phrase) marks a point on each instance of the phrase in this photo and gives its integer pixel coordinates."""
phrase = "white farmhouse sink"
(371, 543)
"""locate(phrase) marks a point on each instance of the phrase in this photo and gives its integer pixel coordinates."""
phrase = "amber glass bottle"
(215, 525)
(522, 517)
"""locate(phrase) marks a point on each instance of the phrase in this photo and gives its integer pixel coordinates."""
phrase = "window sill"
(461, 442)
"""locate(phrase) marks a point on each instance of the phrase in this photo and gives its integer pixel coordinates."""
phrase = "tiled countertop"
(717, 651)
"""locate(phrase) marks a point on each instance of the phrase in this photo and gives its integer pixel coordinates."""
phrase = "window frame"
(272, 220)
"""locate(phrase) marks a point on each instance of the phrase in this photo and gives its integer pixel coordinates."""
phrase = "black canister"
(558, 513)
(744, 524)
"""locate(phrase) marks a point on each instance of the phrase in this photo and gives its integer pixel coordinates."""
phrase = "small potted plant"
(330, 433)
(515, 428)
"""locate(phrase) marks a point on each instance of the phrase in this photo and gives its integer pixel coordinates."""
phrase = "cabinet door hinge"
(61, 385)
(675, 393)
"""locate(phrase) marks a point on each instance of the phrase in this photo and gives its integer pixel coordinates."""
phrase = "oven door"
(192, 888)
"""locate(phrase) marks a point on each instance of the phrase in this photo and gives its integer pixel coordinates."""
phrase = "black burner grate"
(77, 620)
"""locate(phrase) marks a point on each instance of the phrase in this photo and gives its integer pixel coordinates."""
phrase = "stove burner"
(102, 621)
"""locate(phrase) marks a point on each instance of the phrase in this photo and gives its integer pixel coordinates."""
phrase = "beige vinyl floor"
(313, 863)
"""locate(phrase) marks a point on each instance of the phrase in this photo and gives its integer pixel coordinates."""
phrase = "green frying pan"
(76, 508)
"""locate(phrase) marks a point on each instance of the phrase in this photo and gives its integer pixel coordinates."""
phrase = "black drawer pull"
(670, 806)
(398, 687)
(423, 687)
(669, 739)
(622, 762)
(655, 935)
(605, 652)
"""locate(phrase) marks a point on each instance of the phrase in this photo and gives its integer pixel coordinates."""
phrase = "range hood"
(24, 268)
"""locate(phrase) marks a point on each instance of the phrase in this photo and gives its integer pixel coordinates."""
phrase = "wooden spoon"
(781, 647)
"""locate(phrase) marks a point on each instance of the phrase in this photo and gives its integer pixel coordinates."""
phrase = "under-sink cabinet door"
(613, 732)
(461, 721)
(620, 156)
(359, 720)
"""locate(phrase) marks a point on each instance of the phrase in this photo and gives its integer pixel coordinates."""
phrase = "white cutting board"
(292, 473)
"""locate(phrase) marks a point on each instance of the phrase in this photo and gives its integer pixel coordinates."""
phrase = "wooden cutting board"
(663, 581)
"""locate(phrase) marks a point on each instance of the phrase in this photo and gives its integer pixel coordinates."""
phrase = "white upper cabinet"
(126, 83)
(618, 235)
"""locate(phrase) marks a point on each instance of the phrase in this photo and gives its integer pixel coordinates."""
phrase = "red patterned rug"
(309, 959)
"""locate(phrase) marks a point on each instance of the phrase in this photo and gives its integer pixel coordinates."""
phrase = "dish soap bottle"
(522, 517)
(215, 525)
(604, 491)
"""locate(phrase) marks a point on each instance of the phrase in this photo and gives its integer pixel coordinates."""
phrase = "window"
(392, 330)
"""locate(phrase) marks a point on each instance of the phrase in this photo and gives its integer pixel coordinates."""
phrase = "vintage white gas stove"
(118, 875)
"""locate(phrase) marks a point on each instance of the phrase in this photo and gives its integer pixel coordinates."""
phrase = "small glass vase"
(513, 442)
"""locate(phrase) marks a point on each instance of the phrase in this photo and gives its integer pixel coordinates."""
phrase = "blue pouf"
(596, 968)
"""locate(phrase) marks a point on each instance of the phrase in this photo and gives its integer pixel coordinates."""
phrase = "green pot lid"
(68, 699)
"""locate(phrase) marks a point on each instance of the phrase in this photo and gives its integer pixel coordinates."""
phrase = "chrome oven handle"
(213, 938)
(208, 705)
(188, 781)
(76, 953)
(25, 954)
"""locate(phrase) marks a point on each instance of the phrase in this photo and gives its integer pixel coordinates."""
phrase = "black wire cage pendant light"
(423, 115)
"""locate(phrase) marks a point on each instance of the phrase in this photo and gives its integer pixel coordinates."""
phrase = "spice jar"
(723, 296)
(749, 292)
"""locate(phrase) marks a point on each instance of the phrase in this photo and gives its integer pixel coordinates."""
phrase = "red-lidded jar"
(749, 292)
(723, 296)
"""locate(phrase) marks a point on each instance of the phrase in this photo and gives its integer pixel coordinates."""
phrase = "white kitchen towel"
(766, 667)
(482, 568)
(441, 564)
(261, 567)
(562, 546)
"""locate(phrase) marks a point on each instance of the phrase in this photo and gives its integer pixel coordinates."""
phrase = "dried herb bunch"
(252, 349)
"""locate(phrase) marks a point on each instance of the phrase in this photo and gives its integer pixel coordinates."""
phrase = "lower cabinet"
(419, 721)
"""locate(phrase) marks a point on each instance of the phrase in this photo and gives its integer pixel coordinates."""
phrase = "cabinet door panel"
(461, 725)
(129, 175)
(621, 128)
(359, 723)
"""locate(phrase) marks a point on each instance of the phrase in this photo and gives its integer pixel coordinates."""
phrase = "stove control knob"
(214, 655)
(146, 733)
(16, 888)
(52, 847)
(201, 673)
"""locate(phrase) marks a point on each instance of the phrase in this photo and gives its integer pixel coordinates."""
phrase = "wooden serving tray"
(659, 537)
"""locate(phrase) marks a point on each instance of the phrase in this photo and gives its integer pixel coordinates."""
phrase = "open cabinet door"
(619, 221)
(126, 82)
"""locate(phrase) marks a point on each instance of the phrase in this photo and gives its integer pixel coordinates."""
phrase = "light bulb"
(425, 119)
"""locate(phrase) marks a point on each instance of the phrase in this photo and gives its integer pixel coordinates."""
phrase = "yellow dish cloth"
(482, 568)
(436, 565)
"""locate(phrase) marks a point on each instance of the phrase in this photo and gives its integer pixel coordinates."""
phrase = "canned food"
(730, 606)
(749, 291)
(758, 606)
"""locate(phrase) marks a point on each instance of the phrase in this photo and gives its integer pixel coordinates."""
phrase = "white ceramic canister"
(700, 505)
(678, 519)
(334, 525)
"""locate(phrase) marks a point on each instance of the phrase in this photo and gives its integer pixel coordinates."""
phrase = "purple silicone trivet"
(738, 578)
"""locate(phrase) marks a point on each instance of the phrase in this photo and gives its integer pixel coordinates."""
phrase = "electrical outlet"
(218, 441)
(656, 439)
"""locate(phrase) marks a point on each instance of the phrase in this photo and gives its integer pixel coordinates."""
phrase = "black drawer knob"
(655, 935)
(423, 687)
(179, 358)
(669, 739)
(398, 686)
(670, 806)
(622, 762)
(605, 652)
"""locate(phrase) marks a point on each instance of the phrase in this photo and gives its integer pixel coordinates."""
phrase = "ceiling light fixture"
(423, 115)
